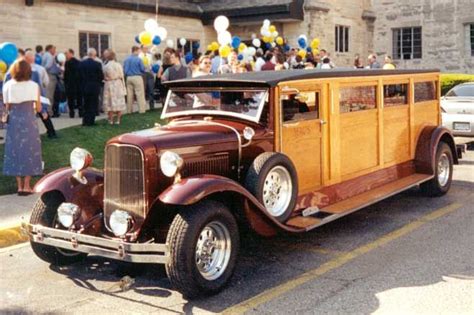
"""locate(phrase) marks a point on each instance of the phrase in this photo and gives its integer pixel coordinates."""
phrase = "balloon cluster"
(226, 42)
(305, 48)
(152, 35)
(8, 54)
(270, 35)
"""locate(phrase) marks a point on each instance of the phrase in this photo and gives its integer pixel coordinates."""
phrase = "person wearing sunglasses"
(204, 67)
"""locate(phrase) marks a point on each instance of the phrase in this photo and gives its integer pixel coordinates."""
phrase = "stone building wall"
(445, 37)
(59, 24)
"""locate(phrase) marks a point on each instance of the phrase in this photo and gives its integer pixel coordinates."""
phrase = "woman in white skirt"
(114, 89)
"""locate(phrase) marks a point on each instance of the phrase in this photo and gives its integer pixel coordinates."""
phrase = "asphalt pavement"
(408, 254)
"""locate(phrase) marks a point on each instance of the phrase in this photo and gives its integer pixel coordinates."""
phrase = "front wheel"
(44, 213)
(204, 242)
(443, 171)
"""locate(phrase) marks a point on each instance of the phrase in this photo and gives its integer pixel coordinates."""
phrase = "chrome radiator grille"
(217, 165)
(124, 180)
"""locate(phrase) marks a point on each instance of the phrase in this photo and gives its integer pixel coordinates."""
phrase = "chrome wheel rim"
(277, 191)
(213, 250)
(443, 169)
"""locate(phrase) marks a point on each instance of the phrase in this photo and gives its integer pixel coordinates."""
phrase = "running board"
(347, 206)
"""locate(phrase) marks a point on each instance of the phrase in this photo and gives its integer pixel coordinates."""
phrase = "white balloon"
(224, 38)
(303, 36)
(170, 43)
(182, 41)
(252, 51)
(61, 57)
(275, 34)
(273, 44)
(254, 35)
(256, 42)
(221, 23)
(151, 25)
(264, 30)
(162, 32)
(267, 33)
(266, 22)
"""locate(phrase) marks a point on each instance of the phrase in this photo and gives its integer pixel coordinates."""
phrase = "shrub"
(449, 80)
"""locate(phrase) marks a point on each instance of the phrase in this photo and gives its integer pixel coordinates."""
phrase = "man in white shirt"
(260, 61)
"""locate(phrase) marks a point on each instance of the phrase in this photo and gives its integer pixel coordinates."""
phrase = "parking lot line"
(337, 262)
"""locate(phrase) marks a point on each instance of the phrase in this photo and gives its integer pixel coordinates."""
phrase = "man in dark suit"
(72, 84)
(92, 79)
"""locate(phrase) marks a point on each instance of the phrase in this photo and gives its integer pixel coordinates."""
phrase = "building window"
(99, 41)
(191, 45)
(357, 98)
(342, 38)
(425, 91)
(407, 43)
(472, 39)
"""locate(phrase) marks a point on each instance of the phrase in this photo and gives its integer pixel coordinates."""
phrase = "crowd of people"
(41, 82)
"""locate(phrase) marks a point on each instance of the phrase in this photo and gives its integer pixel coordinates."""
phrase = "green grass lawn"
(56, 152)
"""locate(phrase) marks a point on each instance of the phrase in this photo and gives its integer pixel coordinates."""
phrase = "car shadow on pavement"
(267, 263)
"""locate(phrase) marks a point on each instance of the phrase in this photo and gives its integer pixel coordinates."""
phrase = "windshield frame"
(256, 119)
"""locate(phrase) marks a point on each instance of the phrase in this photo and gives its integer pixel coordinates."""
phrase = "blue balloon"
(156, 40)
(137, 39)
(240, 57)
(236, 42)
(308, 49)
(8, 52)
(188, 57)
(196, 45)
(287, 47)
(155, 68)
(302, 42)
(268, 46)
(38, 59)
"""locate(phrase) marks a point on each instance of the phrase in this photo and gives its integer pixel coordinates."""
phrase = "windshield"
(246, 104)
(462, 91)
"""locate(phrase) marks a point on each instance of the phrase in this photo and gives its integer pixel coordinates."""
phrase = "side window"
(425, 91)
(395, 94)
(301, 106)
(357, 98)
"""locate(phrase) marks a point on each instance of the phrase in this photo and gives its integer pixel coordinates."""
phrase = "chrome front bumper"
(110, 248)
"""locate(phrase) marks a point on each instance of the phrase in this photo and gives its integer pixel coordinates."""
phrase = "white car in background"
(458, 110)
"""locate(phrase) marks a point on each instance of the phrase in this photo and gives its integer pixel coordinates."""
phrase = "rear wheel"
(204, 242)
(441, 182)
(44, 213)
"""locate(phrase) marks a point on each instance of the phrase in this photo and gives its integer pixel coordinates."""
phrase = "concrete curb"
(10, 236)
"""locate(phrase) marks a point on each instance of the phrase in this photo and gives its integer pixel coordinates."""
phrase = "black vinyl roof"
(272, 78)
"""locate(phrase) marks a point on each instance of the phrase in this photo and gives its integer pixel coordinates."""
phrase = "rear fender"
(427, 145)
(193, 189)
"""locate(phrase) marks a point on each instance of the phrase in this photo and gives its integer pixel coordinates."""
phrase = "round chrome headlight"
(68, 213)
(170, 163)
(119, 222)
(80, 159)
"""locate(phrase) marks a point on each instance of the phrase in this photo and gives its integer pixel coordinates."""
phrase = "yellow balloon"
(3, 67)
(267, 39)
(145, 38)
(242, 47)
(224, 51)
(315, 43)
(302, 53)
(315, 52)
(279, 40)
(272, 28)
(215, 45)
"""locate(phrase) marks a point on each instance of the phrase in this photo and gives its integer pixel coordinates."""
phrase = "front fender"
(427, 145)
(61, 180)
(193, 189)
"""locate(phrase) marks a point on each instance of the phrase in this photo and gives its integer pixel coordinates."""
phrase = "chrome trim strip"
(110, 248)
(255, 119)
(371, 202)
